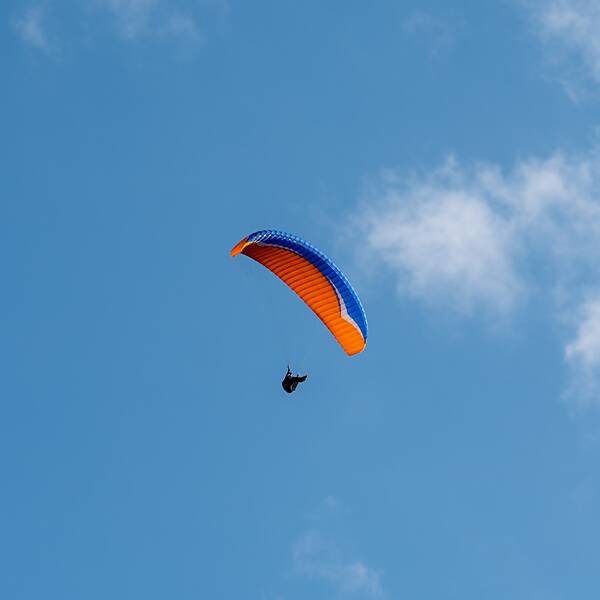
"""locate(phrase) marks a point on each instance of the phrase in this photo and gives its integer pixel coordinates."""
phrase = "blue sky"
(445, 154)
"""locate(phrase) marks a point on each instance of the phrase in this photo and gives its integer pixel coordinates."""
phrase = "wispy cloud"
(136, 19)
(583, 355)
(132, 16)
(182, 27)
(569, 29)
(30, 26)
(133, 21)
(316, 557)
(437, 34)
(475, 239)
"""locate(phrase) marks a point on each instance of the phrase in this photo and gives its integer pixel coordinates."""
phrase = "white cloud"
(318, 558)
(479, 240)
(31, 29)
(446, 243)
(570, 27)
(586, 346)
(583, 356)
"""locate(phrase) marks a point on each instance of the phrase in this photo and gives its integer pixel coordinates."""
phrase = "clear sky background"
(445, 154)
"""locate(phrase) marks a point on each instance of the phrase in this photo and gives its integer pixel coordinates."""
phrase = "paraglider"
(290, 381)
(316, 279)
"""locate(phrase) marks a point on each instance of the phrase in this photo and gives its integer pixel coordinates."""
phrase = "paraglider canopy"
(315, 278)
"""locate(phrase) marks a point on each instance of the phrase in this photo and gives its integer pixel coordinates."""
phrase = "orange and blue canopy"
(315, 278)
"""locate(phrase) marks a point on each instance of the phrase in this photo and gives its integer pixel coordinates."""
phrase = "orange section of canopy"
(311, 285)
